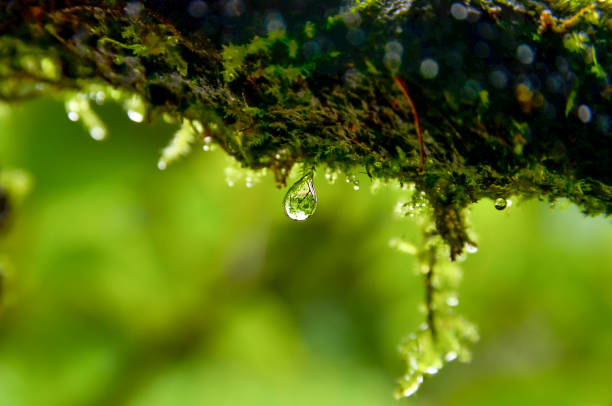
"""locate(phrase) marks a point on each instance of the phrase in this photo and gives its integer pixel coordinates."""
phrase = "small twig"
(417, 121)
(429, 292)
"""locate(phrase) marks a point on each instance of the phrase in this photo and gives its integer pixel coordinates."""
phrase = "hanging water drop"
(501, 203)
(301, 199)
(471, 248)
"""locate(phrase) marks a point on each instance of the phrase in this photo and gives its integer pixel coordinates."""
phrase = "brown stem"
(417, 121)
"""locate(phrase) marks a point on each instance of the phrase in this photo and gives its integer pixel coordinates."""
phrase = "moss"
(312, 89)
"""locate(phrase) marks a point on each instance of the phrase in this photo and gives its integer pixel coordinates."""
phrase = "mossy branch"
(513, 97)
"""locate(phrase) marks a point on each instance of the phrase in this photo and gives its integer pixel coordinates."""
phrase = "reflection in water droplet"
(501, 203)
(301, 199)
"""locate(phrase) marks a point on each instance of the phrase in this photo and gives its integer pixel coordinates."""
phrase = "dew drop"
(452, 301)
(431, 370)
(450, 356)
(410, 386)
(584, 113)
(501, 203)
(459, 11)
(429, 68)
(97, 133)
(135, 116)
(471, 248)
(301, 199)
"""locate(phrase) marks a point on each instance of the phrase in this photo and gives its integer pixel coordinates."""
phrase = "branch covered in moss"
(463, 100)
(513, 97)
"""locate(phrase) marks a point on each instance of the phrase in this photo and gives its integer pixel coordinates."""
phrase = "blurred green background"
(126, 285)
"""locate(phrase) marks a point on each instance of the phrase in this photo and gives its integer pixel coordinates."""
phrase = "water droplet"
(452, 301)
(73, 116)
(100, 97)
(97, 133)
(431, 370)
(459, 11)
(584, 113)
(501, 203)
(451, 356)
(301, 199)
(471, 248)
(410, 386)
(429, 68)
(135, 116)
(525, 54)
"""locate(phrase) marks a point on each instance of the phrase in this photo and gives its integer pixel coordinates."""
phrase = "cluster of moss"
(513, 96)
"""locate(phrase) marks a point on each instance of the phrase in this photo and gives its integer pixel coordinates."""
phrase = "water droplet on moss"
(431, 370)
(135, 116)
(450, 356)
(97, 133)
(501, 203)
(410, 385)
(301, 199)
(471, 248)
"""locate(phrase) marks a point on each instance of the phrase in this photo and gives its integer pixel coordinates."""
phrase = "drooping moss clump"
(509, 97)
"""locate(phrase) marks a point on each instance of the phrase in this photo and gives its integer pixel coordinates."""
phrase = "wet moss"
(513, 96)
